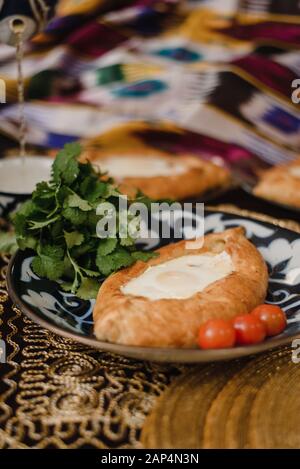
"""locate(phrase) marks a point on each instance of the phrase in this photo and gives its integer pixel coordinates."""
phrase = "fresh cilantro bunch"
(59, 224)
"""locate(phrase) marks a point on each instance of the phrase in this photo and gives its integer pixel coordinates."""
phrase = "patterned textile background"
(212, 77)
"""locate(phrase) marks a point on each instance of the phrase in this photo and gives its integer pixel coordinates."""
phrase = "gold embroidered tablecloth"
(56, 393)
(252, 403)
(177, 65)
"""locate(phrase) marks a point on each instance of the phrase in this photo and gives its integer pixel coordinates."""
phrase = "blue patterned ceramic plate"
(45, 303)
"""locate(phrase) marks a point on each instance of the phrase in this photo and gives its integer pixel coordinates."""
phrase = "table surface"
(56, 393)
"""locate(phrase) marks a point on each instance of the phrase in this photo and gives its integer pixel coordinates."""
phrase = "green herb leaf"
(57, 252)
(37, 225)
(88, 289)
(127, 241)
(20, 224)
(74, 201)
(143, 256)
(44, 195)
(49, 263)
(27, 209)
(74, 216)
(66, 166)
(105, 264)
(59, 223)
(73, 239)
(27, 242)
(93, 189)
(121, 258)
(8, 242)
(66, 286)
(90, 273)
(107, 246)
(113, 262)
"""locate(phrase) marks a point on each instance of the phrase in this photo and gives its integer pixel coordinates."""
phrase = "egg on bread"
(163, 302)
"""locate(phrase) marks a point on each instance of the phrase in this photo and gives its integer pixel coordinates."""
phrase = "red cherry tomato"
(249, 329)
(216, 334)
(273, 318)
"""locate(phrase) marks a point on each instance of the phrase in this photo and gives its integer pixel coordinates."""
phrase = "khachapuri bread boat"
(281, 184)
(163, 302)
(159, 175)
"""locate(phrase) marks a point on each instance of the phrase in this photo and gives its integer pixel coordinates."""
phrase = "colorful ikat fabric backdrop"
(211, 77)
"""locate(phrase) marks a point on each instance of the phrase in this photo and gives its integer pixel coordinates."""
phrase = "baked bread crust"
(279, 185)
(133, 320)
(200, 176)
